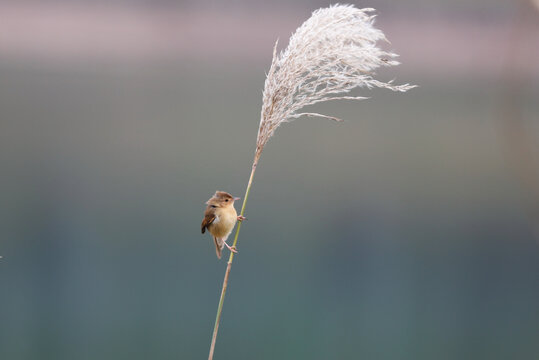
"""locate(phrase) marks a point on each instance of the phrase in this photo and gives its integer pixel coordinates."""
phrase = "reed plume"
(332, 53)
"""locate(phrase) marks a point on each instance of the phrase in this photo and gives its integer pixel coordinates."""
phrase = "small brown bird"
(219, 218)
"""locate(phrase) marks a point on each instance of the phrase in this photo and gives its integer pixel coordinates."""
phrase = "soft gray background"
(408, 232)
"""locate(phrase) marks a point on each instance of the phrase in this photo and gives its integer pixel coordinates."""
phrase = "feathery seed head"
(333, 52)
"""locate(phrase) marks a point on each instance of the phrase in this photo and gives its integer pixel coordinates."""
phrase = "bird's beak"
(236, 198)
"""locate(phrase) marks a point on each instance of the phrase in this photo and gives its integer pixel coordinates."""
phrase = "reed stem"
(229, 264)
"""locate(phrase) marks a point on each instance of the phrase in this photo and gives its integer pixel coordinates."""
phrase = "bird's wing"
(208, 219)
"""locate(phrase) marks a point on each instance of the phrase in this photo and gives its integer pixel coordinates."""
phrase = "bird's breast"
(224, 223)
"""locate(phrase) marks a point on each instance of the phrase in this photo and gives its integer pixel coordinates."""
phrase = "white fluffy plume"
(333, 52)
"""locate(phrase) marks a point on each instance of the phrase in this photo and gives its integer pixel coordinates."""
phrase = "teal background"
(405, 232)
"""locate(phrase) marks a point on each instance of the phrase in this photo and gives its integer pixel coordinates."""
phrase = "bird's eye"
(226, 200)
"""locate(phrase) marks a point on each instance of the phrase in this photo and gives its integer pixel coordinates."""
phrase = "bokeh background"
(411, 231)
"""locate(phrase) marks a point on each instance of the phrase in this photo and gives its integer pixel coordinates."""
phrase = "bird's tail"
(219, 245)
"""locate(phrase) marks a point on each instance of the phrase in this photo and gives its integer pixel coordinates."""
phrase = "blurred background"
(411, 231)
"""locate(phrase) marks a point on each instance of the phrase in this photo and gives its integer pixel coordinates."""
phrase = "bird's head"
(222, 199)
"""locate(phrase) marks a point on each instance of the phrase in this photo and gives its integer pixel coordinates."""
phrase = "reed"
(329, 55)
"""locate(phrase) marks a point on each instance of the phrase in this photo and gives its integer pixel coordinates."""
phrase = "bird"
(220, 218)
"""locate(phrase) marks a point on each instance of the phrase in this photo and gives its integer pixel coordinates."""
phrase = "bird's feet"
(241, 218)
(231, 248)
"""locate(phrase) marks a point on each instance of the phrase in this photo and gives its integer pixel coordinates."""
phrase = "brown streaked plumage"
(219, 218)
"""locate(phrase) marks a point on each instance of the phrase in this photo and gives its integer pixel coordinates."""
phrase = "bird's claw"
(241, 218)
(231, 248)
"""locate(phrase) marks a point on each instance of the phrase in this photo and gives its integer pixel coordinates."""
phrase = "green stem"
(229, 264)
